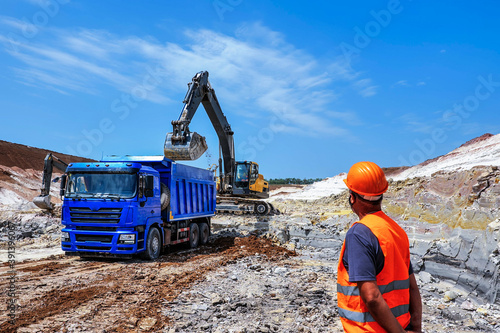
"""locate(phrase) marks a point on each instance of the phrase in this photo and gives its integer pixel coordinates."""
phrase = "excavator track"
(237, 205)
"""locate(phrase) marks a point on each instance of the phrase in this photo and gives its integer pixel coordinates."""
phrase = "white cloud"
(348, 117)
(365, 87)
(37, 2)
(13, 23)
(255, 71)
(414, 124)
(403, 83)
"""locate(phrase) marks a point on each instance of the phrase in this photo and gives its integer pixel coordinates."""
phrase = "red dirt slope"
(26, 157)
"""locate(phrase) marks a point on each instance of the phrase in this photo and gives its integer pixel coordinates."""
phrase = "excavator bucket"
(43, 202)
(192, 149)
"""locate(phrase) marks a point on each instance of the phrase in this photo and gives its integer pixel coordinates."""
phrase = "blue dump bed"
(192, 189)
(193, 192)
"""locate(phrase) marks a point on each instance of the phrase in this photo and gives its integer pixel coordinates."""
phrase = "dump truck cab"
(109, 207)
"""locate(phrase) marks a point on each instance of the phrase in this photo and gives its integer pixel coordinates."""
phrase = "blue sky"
(308, 88)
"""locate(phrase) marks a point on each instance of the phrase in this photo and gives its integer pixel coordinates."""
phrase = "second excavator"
(240, 187)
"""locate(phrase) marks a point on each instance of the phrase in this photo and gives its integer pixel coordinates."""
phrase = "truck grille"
(93, 228)
(103, 215)
(94, 238)
(102, 248)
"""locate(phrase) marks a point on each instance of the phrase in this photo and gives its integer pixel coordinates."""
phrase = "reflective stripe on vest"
(395, 285)
(393, 281)
(366, 317)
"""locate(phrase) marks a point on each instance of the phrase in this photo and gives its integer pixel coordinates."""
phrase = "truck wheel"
(204, 233)
(165, 196)
(262, 208)
(194, 235)
(153, 245)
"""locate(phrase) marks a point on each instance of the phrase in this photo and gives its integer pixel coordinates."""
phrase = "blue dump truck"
(135, 205)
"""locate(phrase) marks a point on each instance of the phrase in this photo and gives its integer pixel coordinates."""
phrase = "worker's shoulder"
(359, 230)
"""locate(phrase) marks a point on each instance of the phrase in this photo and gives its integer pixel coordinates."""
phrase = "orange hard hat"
(366, 178)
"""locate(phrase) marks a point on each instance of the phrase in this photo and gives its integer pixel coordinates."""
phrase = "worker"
(376, 287)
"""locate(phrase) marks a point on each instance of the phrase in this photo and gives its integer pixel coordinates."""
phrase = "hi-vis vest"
(393, 281)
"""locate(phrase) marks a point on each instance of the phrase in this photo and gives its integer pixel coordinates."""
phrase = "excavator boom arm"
(196, 91)
(224, 132)
(51, 161)
(181, 144)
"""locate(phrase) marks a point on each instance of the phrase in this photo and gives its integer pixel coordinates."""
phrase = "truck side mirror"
(62, 191)
(149, 186)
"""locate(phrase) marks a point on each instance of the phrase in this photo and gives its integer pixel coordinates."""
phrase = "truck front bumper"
(105, 243)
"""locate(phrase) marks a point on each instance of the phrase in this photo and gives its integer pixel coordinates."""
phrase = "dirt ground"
(63, 294)
(274, 187)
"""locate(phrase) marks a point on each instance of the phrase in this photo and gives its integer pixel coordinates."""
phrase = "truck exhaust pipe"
(187, 148)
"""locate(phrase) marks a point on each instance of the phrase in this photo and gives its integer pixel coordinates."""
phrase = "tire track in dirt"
(167, 289)
(56, 299)
(54, 302)
(45, 269)
(122, 296)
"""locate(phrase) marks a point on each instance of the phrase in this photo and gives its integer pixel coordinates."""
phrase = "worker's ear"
(352, 198)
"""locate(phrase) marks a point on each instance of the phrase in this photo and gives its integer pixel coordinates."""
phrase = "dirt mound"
(274, 187)
(392, 171)
(468, 143)
(478, 139)
(26, 157)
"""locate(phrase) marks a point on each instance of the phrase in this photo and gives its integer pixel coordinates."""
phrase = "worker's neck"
(367, 211)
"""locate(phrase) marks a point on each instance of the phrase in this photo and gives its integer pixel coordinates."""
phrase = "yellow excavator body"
(259, 185)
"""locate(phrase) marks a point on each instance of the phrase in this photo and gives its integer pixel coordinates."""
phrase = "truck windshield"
(101, 185)
(241, 179)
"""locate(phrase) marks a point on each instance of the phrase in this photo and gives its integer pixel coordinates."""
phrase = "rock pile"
(255, 295)
(452, 220)
(448, 306)
(37, 235)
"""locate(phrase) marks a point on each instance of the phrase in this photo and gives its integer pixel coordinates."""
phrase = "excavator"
(240, 186)
(51, 161)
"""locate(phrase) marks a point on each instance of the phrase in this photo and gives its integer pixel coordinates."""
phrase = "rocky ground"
(448, 306)
(277, 282)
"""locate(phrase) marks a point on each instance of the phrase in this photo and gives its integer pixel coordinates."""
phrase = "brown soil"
(393, 171)
(281, 193)
(6, 176)
(478, 139)
(103, 295)
(54, 302)
(45, 269)
(277, 186)
(26, 157)
(468, 143)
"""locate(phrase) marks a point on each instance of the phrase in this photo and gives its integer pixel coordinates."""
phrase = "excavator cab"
(242, 175)
(248, 181)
